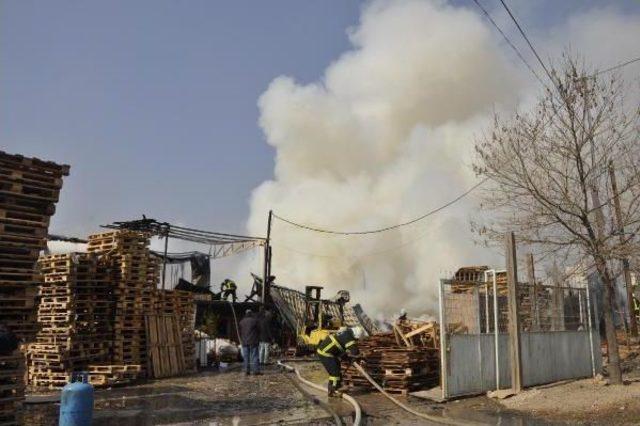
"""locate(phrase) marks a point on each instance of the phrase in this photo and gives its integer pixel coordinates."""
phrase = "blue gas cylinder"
(76, 403)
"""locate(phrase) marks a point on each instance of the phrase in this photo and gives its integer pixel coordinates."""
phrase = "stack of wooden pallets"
(398, 365)
(29, 189)
(181, 304)
(74, 315)
(128, 254)
(185, 310)
(109, 375)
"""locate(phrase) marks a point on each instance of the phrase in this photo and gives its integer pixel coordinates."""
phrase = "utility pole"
(514, 321)
(608, 293)
(267, 261)
(633, 323)
(533, 293)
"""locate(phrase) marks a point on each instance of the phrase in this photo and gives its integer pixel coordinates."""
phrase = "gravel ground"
(583, 401)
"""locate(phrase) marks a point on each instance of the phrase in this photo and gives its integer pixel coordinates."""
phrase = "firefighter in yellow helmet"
(228, 288)
(330, 350)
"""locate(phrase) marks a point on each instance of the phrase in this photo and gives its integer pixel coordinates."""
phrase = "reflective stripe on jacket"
(336, 345)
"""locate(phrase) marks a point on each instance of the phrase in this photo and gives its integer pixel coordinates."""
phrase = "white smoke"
(385, 135)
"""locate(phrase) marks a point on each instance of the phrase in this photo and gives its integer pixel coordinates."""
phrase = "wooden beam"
(419, 330)
(406, 341)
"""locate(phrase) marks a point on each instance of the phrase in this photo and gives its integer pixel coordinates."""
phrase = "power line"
(521, 56)
(387, 228)
(515, 21)
(509, 42)
(615, 67)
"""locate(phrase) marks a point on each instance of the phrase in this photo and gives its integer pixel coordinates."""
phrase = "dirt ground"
(583, 401)
(587, 401)
(206, 398)
(231, 398)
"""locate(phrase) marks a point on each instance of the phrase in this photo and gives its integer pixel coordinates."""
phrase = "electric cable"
(615, 67)
(509, 42)
(515, 21)
(386, 228)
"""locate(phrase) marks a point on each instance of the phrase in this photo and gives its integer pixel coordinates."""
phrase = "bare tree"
(548, 177)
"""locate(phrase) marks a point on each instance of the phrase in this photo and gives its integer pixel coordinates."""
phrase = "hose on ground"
(349, 399)
(316, 401)
(436, 419)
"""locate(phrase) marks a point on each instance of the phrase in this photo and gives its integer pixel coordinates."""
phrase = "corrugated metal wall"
(546, 357)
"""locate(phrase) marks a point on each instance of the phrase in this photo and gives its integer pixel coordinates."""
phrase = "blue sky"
(153, 102)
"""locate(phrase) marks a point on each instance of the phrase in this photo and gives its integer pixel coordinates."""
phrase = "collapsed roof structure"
(291, 305)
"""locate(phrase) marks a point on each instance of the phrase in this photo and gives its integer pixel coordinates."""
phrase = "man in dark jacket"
(330, 350)
(266, 337)
(250, 336)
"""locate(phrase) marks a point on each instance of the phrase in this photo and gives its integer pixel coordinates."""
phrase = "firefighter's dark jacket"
(228, 285)
(336, 345)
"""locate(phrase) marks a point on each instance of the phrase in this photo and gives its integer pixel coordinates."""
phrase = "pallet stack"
(181, 304)
(74, 315)
(396, 365)
(186, 313)
(29, 190)
(129, 257)
(102, 375)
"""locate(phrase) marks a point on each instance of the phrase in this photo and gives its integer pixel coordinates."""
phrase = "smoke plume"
(384, 136)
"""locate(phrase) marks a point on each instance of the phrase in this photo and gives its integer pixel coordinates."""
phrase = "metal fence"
(558, 339)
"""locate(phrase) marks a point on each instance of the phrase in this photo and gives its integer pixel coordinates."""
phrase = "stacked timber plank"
(128, 255)
(186, 315)
(74, 315)
(399, 365)
(29, 190)
(166, 356)
(11, 388)
(109, 375)
(181, 304)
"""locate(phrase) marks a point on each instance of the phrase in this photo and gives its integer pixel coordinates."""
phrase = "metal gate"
(557, 337)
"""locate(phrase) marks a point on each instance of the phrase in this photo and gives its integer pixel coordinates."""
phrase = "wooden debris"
(399, 368)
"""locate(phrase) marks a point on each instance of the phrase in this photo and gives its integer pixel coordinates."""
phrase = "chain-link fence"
(475, 307)
(556, 324)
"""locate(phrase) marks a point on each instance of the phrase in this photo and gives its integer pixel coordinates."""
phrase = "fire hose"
(349, 399)
(429, 417)
(358, 411)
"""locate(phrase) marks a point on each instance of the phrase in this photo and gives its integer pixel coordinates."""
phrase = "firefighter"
(330, 350)
(228, 288)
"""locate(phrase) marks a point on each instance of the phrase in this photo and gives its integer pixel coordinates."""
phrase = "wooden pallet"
(164, 345)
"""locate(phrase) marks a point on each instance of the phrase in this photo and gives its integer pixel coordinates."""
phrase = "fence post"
(533, 294)
(496, 328)
(514, 322)
(443, 343)
(593, 360)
